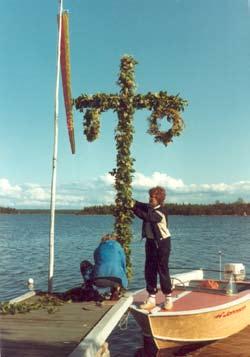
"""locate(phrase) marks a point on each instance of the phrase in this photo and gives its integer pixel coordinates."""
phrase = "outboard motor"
(237, 269)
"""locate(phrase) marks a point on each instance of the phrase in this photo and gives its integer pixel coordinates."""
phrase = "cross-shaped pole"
(125, 103)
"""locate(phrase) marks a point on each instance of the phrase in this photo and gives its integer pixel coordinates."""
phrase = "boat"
(204, 311)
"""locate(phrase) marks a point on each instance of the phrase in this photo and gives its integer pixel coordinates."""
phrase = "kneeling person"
(110, 266)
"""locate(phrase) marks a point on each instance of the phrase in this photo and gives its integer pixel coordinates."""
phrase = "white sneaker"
(149, 303)
(168, 304)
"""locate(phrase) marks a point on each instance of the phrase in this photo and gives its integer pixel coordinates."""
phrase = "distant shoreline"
(237, 208)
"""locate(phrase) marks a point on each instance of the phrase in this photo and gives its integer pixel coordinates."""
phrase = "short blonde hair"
(109, 236)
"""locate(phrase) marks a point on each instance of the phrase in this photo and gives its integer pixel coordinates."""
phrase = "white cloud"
(37, 193)
(107, 179)
(157, 179)
(220, 188)
(178, 191)
(7, 190)
(100, 191)
(243, 185)
(144, 182)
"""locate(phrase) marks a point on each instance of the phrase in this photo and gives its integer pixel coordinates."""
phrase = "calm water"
(195, 243)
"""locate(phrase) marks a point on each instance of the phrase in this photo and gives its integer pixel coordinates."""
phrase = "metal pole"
(220, 261)
(54, 161)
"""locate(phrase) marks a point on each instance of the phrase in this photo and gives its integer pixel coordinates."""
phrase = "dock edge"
(92, 343)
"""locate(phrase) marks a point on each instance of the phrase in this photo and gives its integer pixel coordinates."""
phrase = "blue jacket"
(110, 261)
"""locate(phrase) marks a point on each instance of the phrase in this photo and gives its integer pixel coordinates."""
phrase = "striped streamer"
(66, 78)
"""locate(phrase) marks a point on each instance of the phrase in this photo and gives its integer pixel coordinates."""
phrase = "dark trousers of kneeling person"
(157, 256)
(114, 283)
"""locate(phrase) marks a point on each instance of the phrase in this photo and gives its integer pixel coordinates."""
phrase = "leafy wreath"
(165, 137)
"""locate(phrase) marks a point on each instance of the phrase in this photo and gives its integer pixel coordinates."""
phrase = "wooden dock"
(237, 345)
(40, 334)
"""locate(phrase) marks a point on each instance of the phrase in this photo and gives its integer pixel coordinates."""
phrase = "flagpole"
(54, 160)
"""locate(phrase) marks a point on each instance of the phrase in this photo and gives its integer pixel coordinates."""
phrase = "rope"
(123, 324)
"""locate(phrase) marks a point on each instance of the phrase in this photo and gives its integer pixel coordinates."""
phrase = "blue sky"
(199, 49)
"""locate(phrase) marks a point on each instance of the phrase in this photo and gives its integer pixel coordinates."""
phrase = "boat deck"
(40, 334)
(190, 299)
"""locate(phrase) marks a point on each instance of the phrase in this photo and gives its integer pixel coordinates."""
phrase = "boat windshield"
(215, 286)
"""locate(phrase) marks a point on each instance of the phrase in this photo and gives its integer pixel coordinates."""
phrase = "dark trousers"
(87, 271)
(157, 256)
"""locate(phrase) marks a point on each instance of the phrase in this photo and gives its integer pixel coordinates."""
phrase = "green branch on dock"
(47, 302)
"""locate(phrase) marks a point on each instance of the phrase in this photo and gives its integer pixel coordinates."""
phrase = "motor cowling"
(237, 269)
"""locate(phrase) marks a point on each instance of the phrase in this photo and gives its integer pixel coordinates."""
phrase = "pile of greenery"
(52, 302)
(47, 302)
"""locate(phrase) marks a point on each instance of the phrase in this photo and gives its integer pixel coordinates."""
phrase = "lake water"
(196, 240)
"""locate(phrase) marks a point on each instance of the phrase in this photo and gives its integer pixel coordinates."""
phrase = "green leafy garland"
(160, 103)
(92, 124)
(125, 103)
(124, 171)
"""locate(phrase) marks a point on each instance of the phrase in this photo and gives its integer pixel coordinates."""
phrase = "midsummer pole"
(125, 104)
(54, 160)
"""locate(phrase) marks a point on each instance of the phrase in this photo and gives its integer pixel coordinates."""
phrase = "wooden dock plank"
(40, 334)
(28, 349)
(235, 345)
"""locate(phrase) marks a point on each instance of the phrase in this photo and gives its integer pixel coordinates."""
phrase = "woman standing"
(157, 246)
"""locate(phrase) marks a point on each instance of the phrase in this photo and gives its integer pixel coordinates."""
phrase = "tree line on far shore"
(8, 210)
(237, 208)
